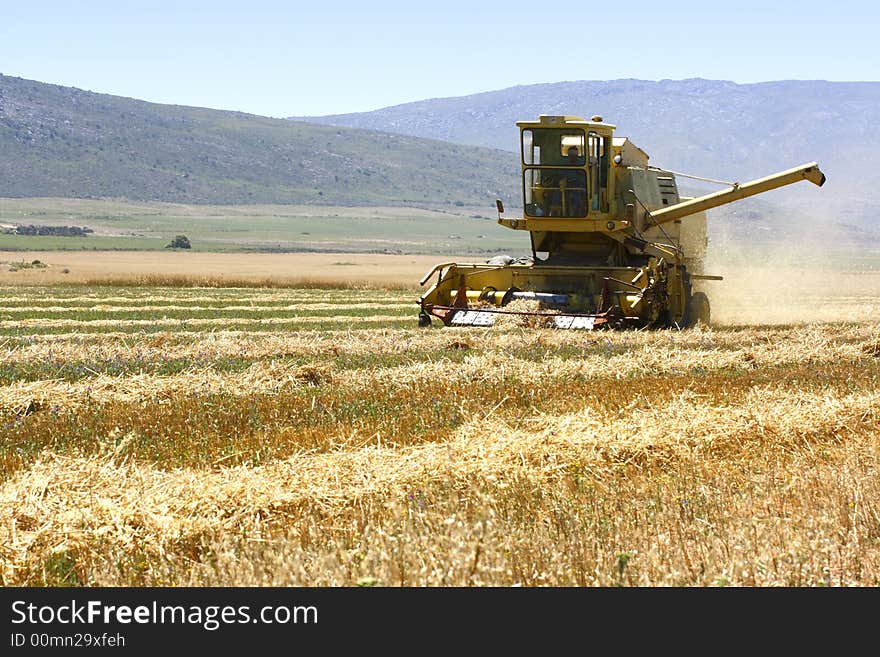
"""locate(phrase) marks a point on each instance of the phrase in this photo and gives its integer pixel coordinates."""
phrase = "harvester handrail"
(431, 273)
(459, 265)
(690, 175)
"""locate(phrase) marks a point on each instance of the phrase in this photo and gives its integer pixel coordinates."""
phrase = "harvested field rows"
(194, 436)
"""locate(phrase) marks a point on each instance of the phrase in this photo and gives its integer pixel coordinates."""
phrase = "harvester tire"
(424, 320)
(698, 310)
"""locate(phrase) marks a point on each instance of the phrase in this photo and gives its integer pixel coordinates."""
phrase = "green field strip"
(198, 326)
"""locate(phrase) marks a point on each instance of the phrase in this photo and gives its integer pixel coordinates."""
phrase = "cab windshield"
(562, 176)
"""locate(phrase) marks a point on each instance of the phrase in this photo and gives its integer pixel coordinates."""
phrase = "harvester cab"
(613, 243)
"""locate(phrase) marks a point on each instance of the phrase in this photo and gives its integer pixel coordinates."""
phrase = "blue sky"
(283, 59)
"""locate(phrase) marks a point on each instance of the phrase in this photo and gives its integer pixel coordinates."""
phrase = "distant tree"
(179, 242)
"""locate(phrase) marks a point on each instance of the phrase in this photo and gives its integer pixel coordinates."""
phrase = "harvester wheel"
(424, 320)
(698, 310)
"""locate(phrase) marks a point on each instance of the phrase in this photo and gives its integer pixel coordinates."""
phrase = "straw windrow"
(735, 455)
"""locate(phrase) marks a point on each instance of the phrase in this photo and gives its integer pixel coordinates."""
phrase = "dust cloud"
(819, 275)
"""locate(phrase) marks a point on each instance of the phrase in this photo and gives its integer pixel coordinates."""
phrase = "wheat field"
(206, 435)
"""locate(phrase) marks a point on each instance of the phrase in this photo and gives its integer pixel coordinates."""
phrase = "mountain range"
(708, 128)
(66, 142)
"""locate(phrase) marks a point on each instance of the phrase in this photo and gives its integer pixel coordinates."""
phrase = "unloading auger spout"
(739, 191)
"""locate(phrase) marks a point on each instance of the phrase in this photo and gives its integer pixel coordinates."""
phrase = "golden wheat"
(732, 455)
(621, 357)
(795, 341)
(82, 506)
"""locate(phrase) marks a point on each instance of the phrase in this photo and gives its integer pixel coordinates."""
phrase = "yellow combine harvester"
(613, 243)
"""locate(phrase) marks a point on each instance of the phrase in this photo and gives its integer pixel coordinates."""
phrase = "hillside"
(65, 142)
(452, 155)
(709, 128)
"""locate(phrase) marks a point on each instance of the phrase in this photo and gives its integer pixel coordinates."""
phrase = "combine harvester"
(613, 243)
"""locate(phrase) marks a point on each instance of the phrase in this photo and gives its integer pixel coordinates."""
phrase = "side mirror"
(499, 205)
